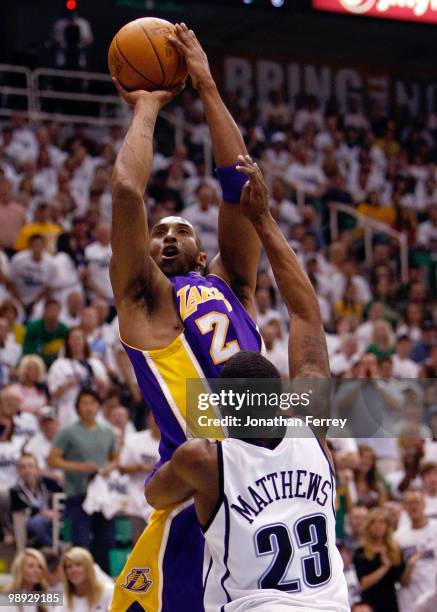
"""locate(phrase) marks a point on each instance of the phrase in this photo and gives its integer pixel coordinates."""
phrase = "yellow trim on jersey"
(135, 348)
(173, 366)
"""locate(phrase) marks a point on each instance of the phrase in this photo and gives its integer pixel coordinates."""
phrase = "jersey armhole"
(221, 492)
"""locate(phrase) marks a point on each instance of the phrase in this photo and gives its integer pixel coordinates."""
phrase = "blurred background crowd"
(72, 420)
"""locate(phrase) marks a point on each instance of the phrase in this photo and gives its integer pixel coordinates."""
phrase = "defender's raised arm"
(307, 345)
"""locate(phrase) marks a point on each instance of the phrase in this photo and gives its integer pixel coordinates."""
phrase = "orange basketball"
(141, 57)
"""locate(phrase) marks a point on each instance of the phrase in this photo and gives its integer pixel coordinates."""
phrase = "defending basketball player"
(267, 553)
(176, 324)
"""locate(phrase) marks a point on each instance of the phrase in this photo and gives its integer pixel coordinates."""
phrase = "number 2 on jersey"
(276, 540)
(218, 322)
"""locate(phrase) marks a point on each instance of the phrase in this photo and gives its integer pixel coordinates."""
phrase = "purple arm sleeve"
(231, 182)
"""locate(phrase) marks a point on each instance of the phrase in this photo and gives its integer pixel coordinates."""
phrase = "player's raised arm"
(239, 243)
(308, 354)
(132, 169)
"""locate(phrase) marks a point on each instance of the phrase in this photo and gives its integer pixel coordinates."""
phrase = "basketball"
(141, 57)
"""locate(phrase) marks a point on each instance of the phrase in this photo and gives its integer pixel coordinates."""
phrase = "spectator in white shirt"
(348, 274)
(72, 309)
(275, 113)
(89, 323)
(346, 357)
(10, 352)
(30, 387)
(428, 472)
(25, 423)
(354, 116)
(56, 156)
(403, 366)
(306, 175)
(275, 350)
(264, 306)
(427, 231)
(283, 210)
(307, 113)
(418, 543)
(364, 331)
(40, 443)
(98, 256)
(192, 183)
(137, 459)
(203, 216)
(10, 451)
(83, 590)
(23, 134)
(76, 370)
(33, 271)
(276, 154)
(117, 417)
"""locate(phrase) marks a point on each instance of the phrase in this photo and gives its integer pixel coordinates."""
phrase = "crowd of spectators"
(70, 408)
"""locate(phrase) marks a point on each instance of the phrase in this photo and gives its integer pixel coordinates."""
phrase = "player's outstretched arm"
(307, 351)
(239, 243)
(132, 169)
(192, 469)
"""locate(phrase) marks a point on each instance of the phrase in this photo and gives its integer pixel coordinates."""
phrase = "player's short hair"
(248, 364)
(243, 367)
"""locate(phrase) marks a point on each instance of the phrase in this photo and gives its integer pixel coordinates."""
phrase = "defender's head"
(254, 379)
(175, 247)
(248, 364)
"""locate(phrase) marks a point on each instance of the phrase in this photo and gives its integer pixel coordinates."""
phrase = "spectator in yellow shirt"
(349, 306)
(42, 226)
(373, 209)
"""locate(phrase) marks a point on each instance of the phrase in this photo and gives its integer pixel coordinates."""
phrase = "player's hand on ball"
(254, 199)
(161, 96)
(188, 45)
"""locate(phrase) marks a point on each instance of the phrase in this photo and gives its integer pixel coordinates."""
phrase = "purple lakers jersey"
(216, 326)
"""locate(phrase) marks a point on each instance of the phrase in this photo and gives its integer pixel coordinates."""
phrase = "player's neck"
(264, 442)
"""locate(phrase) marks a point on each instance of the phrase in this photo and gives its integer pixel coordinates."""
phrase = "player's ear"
(201, 260)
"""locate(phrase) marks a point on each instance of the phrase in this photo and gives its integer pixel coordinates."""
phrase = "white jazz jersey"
(270, 543)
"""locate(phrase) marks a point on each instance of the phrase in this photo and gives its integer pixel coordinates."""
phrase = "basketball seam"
(133, 67)
(157, 55)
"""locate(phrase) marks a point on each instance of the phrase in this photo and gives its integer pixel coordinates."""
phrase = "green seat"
(123, 530)
(117, 559)
(66, 533)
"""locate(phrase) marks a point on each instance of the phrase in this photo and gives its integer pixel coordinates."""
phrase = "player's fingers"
(119, 87)
(246, 160)
(244, 170)
(177, 43)
(245, 193)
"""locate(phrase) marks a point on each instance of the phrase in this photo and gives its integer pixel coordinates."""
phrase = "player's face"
(174, 248)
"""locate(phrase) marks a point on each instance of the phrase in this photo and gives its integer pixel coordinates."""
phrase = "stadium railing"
(85, 97)
(89, 99)
(370, 228)
(15, 89)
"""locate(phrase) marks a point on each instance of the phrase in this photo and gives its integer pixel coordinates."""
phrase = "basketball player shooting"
(266, 506)
(176, 324)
